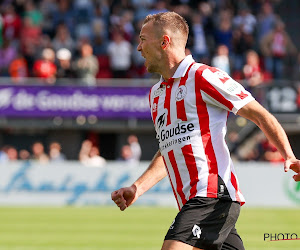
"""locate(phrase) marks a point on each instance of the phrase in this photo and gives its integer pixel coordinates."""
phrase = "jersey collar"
(180, 71)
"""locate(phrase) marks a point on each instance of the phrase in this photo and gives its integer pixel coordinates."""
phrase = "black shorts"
(207, 223)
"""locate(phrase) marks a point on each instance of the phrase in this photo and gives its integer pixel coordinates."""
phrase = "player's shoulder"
(201, 67)
(155, 89)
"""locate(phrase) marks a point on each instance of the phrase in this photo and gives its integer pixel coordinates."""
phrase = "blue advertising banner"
(71, 101)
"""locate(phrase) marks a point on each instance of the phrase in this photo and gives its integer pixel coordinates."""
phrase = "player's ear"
(165, 41)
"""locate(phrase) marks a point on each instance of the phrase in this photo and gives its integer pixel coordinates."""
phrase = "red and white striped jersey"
(190, 113)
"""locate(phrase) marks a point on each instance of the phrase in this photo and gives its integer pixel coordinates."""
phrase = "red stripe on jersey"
(181, 114)
(168, 99)
(179, 185)
(235, 185)
(154, 109)
(212, 183)
(210, 90)
(171, 183)
(190, 161)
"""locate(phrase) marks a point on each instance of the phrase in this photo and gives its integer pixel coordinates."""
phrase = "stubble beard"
(152, 68)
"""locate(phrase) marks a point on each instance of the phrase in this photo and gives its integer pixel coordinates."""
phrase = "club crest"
(180, 93)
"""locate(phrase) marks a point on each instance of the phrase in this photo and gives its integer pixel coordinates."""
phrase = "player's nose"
(139, 47)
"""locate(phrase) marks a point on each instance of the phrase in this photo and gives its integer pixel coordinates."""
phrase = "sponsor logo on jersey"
(154, 108)
(223, 76)
(242, 95)
(158, 92)
(180, 93)
(161, 120)
(196, 231)
(170, 135)
(232, 86)
(165, 134)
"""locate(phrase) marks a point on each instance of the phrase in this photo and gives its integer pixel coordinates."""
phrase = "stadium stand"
(28, 29)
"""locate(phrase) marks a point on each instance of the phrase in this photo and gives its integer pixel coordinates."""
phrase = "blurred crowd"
(90, 39)
(89, 154)
(258, 148)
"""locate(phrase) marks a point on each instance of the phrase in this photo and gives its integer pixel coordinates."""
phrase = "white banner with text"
(70, 183)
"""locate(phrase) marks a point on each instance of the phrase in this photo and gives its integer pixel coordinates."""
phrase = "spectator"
(119, 51)
(38, 153)
(94, 159)
(12, 153)
(252, 70)
(270, 152)
(221, 59)
(85, 149)
(100, 33)
(64, 67)
(245, 21)
(3, 154)
(275, 47)
(24, 155)
(48, 8)
(63, 39)
(87, 65)
(242, 42)
(89, 155)
(99, 23)
(83, 11)
(158, 7)
(126, 154)
(55, 153)
(33, 13)
(18, 69)
(7, 54)
(198, 39)
(12, 24)
(45, 68)
(126, 24)
(206, 10)
(64, 14)
(100, 46)
(30, 37)
(223, 33)
(266, 20)
(135, 147)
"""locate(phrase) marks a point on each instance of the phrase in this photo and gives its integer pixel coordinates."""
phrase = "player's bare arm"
(126, 196)
(274, 132)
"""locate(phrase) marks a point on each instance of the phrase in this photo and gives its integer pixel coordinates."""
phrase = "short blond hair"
(171, 21)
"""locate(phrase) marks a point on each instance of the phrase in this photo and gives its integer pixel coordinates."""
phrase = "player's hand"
(293, 164)
(124, 197)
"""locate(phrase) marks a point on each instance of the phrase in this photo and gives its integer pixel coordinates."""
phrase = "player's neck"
(171, 66)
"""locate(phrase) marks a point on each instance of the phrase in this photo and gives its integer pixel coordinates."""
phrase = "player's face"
(150, 47)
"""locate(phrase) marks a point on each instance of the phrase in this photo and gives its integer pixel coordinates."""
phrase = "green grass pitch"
(138, 228)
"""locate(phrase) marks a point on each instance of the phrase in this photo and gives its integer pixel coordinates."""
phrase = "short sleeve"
(219, 89)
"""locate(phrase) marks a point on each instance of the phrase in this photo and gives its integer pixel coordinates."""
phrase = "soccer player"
(189, 108)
